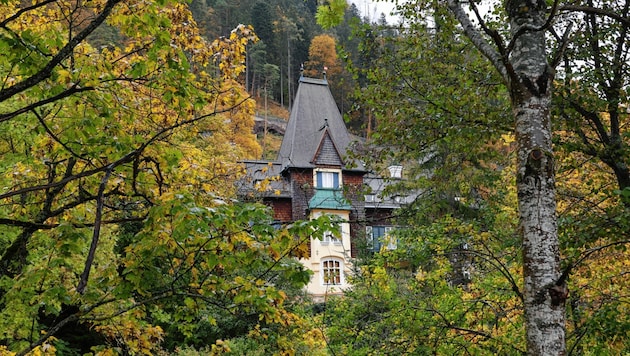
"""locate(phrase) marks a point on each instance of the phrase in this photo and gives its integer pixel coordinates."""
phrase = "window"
(377, 236)
(332, 272)
(332, 236)
(327, 180)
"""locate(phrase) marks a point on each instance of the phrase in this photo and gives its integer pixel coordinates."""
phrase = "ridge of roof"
(313, 81)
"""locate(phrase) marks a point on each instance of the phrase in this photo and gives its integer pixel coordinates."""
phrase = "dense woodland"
(122, 125)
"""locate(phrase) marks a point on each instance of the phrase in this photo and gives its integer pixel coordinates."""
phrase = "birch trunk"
(523, 65)
(530, 85)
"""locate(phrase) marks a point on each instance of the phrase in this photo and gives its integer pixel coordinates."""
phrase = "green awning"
(329, 199)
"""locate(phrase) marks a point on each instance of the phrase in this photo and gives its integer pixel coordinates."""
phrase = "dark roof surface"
(314, 113)
(267, 175)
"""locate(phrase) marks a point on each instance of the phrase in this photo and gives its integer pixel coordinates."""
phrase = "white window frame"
(332, 265)
(332, 237)
(387, 240)
(327, 185)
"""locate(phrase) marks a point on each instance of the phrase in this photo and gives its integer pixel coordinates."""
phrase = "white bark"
(537, 213)
(531, 99)
(529, 79)
(477, 39)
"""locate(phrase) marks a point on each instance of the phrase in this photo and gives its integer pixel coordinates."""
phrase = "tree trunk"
(530, 81)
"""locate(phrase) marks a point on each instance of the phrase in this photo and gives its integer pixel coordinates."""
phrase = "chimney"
(395, 171)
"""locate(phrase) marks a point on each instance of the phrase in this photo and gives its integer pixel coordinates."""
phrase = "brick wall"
(282, 210)
(378, 217)
(302, 191)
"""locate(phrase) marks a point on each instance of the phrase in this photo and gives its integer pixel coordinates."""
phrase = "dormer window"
(327, 179)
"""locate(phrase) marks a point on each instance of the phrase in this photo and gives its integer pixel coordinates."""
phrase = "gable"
(327, 153)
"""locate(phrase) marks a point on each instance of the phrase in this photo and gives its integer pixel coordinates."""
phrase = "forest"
(124, 125)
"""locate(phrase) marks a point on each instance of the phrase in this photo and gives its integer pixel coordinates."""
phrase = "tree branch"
(97, 230)
(64, 53)
(66, 93)
(475, 37)
(53, 136)
(555, 61)
(596, 11)
(528, 28)
(24, 10)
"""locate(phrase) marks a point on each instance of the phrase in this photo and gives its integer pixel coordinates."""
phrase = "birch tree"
(522, 61)
(528, 74)
(525, 41)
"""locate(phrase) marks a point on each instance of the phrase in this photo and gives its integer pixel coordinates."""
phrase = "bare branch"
(24, 10)
(585, 255)
(66, 93)
(97, 231)
(555, 61)
(41, 226)
(475, 37)
(596, 11)
(53, 136)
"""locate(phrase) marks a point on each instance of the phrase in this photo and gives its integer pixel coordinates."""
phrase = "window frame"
(336, 270)
(330, 237)
(383, 239)
(318, 178)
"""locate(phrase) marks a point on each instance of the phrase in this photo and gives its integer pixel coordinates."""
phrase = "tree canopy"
(576, 49)
(119, 230)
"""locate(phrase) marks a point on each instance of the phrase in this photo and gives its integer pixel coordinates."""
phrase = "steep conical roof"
(316, 133)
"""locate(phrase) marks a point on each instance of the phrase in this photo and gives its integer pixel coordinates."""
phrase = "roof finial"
(301, 70)
(324, 72)
(325, 125)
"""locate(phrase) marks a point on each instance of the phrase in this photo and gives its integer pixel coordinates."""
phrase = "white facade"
(330, 258)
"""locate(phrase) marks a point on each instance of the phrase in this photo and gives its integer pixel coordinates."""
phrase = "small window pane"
(377, 236)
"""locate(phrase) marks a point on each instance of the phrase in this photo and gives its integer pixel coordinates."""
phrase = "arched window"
(332, 271)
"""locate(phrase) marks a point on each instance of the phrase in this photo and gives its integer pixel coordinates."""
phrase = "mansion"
(314, 175)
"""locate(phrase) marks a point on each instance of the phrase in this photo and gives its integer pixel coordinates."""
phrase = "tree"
(589, 112)
(322, 55)
(592, 100)
(262, 20)
(292, 33)
(523, 65)
(117, 166)
(528, 75)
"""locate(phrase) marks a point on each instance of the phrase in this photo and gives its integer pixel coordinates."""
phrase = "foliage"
(417, 74)
(444, 290)
(590, 113)
(322, 55)
(592, 96)
(331, 13)
(119, 233)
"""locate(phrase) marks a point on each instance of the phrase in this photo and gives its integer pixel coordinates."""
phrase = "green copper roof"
(329, 199)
